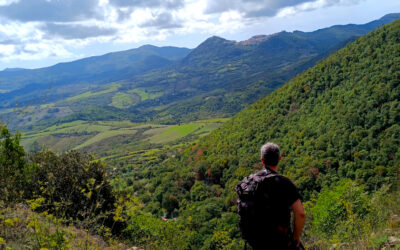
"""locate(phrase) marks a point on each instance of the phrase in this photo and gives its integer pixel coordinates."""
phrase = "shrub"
(72, 184)
(12, 165)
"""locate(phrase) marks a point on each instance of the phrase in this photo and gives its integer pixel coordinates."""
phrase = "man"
(275, 196)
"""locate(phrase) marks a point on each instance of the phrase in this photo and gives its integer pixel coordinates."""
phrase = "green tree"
(12, 165)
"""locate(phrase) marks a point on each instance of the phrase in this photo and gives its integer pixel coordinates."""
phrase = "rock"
(393, 240)
(394, 221)
(388, 231)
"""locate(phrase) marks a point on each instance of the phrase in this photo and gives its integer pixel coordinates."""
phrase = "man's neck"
(274, 168)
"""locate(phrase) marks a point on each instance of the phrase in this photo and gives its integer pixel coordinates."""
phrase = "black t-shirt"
(281, 193)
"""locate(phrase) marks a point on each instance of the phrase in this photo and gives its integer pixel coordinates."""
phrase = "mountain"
(221, 77)
(92, 70)
(338, 126)
(217, 79)
(12, 69)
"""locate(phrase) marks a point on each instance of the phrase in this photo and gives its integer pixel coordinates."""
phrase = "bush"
(72, 184)
(339, 213)
(12, 165)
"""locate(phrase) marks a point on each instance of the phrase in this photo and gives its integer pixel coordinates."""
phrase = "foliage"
(72, 184)
(12, 165)
(339, 211)
(66, 188)
(21, 228)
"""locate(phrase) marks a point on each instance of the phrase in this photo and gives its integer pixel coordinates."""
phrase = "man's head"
(270, 154)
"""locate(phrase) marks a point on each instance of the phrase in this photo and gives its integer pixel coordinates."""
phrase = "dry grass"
(20, 228)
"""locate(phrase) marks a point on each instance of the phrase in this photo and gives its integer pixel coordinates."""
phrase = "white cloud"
(6, 50)
(7, 2)
(314, 5)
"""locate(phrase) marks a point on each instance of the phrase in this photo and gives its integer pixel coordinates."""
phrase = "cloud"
(9, 41)
(125, 8)
(35, 51)
(251, 8)
(50, 10)
(162, 21)
(169, 4)
(314, 5)
(75, 31)
(41, 29)
(269, 8)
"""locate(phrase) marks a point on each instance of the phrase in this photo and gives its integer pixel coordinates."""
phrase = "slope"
(337, 121)
(26, 84)
(221, 77)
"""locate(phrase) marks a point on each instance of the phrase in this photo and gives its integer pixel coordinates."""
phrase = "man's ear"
(262, 160)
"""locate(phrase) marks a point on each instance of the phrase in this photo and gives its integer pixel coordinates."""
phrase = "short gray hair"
(270, 154)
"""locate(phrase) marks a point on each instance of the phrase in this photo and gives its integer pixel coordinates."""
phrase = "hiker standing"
(265, 201)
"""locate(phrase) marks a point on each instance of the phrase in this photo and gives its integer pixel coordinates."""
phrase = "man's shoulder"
(284, 188)
(277, 177)
(284, 179)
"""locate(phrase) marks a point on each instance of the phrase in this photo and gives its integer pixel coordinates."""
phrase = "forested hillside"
(338, 127)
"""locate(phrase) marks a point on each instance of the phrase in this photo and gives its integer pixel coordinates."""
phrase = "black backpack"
(253, 206)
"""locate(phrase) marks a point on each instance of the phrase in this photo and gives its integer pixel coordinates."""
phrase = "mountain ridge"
(115, 60)
(217, 79)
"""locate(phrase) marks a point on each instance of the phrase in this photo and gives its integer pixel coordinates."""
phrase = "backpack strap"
(267, 174)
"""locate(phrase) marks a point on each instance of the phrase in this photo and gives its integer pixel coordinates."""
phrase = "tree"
(12, 165)
(72, 184)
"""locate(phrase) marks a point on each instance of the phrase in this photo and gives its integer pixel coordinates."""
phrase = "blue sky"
(38, 33)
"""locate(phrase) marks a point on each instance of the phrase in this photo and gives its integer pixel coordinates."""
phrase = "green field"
(116, 140)
(175, 133)
(111, 88)
(144, 94)
(122, 100)
(105, 135)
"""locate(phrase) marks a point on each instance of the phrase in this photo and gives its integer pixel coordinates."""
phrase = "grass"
(45, 106)
(82, 127)
(144, 94)
(74, 127)
(175, 132)
(214, 120)
(116, 140)
(105, 135)
(60, 143)
(21, 228)
(207, 128)
(122, 100)
(70, 135)
(111, 88)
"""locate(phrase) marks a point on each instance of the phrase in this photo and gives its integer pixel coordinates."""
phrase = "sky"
(40, 33)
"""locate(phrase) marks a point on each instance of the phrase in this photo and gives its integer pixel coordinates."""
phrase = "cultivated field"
(115, 139)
